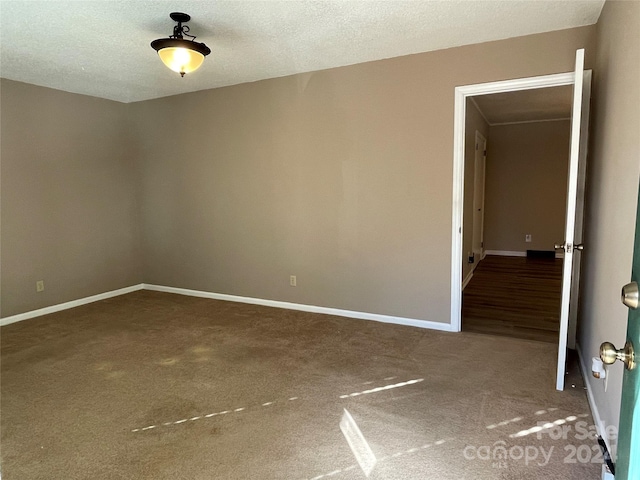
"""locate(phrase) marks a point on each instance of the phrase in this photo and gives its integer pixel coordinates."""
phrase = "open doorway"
(515, 185)
(572, 244)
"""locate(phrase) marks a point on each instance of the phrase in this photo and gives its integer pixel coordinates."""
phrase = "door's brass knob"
(630, 295)
(609, 354)
(559, 246)
(579, 246)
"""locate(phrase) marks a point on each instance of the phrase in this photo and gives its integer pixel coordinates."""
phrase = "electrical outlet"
(293, 281)
(40, 286)
(527, 237)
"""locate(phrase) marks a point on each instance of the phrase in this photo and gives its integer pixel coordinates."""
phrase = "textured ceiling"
(551, 103)
(101, 48)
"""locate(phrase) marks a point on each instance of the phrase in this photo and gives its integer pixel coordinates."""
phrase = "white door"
(577, 239)
(478, 198)
(573, 224)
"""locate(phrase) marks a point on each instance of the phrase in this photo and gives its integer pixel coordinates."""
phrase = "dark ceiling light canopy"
(180, 55)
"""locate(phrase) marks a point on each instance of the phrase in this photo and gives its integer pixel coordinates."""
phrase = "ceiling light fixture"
(180, 55)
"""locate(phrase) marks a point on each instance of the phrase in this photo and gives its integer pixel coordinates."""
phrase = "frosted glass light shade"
(182, 56)
(181, 60)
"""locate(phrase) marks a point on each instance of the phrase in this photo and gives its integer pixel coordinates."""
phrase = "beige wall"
(612, 193)
(342, 177)
(69, 209)
(526, 185)
(473, 122)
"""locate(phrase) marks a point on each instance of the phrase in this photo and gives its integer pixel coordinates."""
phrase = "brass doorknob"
(630, 295)
(559, 246)
(609, 354)
(578, 246)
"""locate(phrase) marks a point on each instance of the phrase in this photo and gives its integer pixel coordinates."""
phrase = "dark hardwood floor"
(515, 297)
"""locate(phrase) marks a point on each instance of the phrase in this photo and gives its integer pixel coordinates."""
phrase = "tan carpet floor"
(160, 386)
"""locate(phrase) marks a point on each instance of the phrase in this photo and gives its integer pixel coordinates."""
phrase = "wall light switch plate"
(40, 286)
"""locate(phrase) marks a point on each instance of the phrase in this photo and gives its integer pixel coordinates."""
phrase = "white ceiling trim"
(530, 121)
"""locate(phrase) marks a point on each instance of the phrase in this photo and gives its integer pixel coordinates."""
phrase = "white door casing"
(461, 95)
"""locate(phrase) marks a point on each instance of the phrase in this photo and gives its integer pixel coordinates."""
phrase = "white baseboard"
(467, 279)
(506, 253)
(413, 322)
(510, 253)
(600, 426)
(64, 306)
